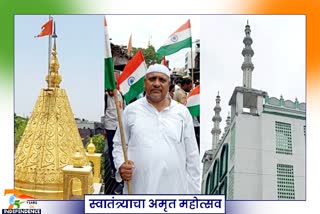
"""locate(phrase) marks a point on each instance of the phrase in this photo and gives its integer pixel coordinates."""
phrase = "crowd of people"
(162, 138)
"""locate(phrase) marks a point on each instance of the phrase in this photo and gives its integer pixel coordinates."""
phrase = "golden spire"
(49, 142)
(54, 78)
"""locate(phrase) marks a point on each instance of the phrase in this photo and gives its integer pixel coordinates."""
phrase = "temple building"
(261, 153)
(51, 142)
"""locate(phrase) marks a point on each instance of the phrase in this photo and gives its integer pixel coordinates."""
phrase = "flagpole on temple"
(49, 48)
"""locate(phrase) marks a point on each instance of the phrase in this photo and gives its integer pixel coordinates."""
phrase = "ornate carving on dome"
(47, 145)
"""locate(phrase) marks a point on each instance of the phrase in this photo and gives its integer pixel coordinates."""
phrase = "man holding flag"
(162, 149)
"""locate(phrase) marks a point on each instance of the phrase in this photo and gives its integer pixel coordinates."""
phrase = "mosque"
(261, 153)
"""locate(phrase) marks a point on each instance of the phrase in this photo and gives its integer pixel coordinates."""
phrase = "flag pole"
(192, 73)
(123, 142)
(49, 49)
(115, 95)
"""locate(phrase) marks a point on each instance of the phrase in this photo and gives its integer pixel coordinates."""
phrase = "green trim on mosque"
(285, 115)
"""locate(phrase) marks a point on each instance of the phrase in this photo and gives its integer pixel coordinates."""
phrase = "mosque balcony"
(216, 118)
(247, 40)
(248, 94)
(216, 131)
(217, 108)
(247, 51)
(246, 65)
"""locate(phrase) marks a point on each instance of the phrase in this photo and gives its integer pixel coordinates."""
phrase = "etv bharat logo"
(16, 200)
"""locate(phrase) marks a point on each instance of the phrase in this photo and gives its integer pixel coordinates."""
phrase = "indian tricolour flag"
(109, 81)
(130, 82)
(181, 38)
(193, 102)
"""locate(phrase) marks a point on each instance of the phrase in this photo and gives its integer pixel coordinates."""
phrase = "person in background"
(171, 90)
(111, 124)
(162, 149)
(181, 94)
(177, 84)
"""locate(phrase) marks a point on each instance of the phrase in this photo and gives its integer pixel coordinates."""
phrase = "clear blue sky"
(80, 51)
(80, 48)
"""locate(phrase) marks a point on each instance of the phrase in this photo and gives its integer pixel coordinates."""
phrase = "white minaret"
(228, 123)
(247, 52)
(216, 131)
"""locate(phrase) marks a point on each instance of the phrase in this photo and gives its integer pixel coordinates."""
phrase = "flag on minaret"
(193, 102)
(130, 45)
(130, 82)
(46, 29)
(109, 81)
(180, 39)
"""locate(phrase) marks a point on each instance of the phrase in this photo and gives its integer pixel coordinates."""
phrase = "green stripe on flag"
(135, 90)
(172, 48)
(109, 81)
(194, 110)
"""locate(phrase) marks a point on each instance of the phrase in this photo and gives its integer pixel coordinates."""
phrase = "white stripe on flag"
(107, 43)
(137, 74)
(182, 35)
(193, 100)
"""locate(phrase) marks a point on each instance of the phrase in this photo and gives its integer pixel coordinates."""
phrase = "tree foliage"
(98, 141)
(20, 124)
(149, 53)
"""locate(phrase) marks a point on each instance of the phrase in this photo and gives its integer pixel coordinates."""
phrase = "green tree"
(149, 53)
(98, 141)
(20, 124)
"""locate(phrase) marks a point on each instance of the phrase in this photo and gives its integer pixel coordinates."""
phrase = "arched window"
(224, 161)
(208, 186)
(223, 187)
(215, 177)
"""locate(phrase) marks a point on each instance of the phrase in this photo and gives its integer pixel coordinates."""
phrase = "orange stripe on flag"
(183, 27)
(105, 21)
(131, 67)
(195, 91)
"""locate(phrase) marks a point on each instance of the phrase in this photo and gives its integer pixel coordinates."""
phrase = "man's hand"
(126, 170)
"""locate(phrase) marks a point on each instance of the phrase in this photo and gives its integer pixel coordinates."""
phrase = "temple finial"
(54, 78)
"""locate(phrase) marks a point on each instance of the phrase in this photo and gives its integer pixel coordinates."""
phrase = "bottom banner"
(154, 204)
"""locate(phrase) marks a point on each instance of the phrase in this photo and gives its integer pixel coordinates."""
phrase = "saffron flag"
(109, 81)
(180, 39)
(130, 82)
(130, 45)
(46, 29)
(193, 101)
